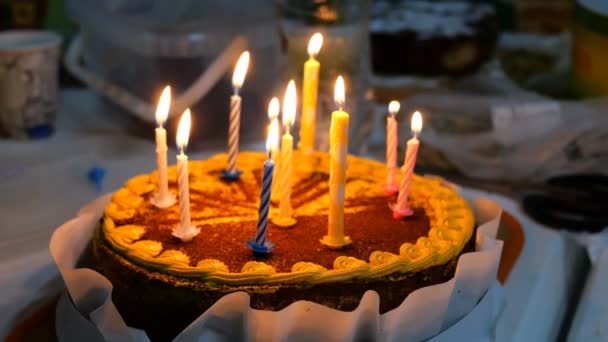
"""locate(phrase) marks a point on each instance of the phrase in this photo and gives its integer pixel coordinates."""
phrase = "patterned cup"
(29, 62)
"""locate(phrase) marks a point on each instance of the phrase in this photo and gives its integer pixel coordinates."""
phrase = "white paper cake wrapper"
(464, 308)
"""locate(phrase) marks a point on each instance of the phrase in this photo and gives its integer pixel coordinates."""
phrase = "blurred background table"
(531, 59)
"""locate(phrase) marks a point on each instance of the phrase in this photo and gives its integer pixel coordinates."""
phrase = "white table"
(44, 183)
(591, 319)
(549, 270)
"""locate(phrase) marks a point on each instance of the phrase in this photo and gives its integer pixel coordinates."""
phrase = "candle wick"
(236, 90)
(269, 154)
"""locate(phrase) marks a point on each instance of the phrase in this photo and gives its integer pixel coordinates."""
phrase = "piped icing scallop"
(226, 212)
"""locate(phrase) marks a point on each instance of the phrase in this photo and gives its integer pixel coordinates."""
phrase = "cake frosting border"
(451, 224)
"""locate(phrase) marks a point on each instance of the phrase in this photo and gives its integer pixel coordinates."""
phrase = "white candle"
(185, 230)
(163, 198)
(273, 116)
(238, 78)
(391, 186)
(285, 218)
(401, 208)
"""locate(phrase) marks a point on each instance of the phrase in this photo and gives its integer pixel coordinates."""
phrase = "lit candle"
(259, 244)
(185, 230)
(273, 116)
(285, 173)
(231, 173)
(400, 208)
(163, 198)
(338, 151)
(391, 187)
(310, 87)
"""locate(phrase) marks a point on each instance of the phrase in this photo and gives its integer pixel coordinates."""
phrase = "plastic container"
(29, 62)
(131, 49)
(345, 51)
(589, 55)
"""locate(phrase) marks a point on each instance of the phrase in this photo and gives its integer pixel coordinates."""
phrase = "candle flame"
(416, 122)
(289, 105)
(162, 110)
(240, 70)
(183, 130)
(393, 107)
(314, 44)
(339, 92)
(273, 108)
(273, 136)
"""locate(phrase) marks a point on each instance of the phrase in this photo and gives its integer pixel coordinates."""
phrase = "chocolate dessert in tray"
(162, 284)
(431, 38)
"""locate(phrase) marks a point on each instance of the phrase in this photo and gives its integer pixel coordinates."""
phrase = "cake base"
(163, 305)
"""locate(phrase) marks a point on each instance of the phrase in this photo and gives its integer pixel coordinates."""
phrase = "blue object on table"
(575, 202)
(231, 176)
(96, 175)
(40, 131)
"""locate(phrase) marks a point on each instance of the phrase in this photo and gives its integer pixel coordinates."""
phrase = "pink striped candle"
(391, 187)
(401, 208)
(231, 172)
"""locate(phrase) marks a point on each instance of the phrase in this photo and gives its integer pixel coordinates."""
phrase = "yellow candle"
(310, 87)
(338, 151)
(284, 181)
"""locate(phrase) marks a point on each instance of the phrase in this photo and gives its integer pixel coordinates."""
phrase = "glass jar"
(345, 51)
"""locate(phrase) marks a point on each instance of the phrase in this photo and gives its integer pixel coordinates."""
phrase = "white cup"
(29, 63)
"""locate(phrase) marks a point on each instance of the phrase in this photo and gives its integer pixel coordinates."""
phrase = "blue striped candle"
(259, 244)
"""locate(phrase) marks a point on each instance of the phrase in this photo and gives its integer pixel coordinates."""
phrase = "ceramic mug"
(29, 63)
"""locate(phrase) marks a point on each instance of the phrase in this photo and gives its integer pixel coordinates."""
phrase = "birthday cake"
(161, 284)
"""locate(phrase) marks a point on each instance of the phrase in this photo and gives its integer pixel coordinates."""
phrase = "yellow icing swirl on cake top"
(450, 217)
